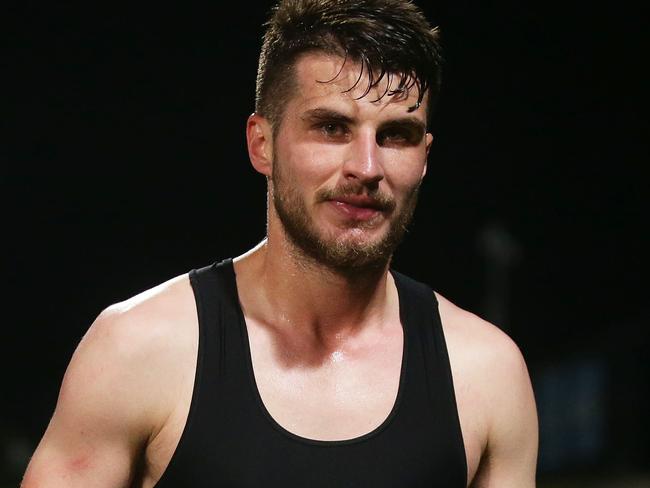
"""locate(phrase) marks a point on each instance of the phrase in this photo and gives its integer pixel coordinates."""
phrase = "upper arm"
(510, 455)
(495, 401)
(101, 420)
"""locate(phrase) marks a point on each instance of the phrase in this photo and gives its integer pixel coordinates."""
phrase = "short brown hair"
(387, 37)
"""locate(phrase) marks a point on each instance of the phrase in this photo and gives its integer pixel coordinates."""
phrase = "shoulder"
(122, 385)
(485, 361)
(469, 336)
(150, 315)
(129, 359)
(155, 321)
(494, 395)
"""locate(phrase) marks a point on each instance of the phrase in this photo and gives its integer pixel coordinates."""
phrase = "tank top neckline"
(258, 398)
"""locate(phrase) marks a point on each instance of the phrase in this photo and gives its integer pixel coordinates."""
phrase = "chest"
(267, 413)
(333, 393)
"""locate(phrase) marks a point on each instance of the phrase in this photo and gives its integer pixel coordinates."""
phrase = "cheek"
(405, 174)
(308, 166)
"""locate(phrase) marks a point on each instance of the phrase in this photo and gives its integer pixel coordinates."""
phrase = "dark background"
(124, 164)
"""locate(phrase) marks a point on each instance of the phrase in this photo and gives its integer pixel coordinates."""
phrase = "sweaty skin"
(326, 345)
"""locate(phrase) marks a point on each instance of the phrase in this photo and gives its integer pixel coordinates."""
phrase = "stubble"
(349, 252)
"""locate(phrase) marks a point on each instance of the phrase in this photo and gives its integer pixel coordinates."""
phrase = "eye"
(392, 136)
(398, 136)
(334, 130)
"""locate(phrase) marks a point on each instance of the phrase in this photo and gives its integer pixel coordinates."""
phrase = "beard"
(351, 252)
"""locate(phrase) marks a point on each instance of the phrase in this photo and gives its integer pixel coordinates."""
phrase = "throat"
(311, 307)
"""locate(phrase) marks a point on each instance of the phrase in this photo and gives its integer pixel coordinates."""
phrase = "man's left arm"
(510, 456)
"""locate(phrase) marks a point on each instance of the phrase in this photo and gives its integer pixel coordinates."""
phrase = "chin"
(346, 246)
(351, 251)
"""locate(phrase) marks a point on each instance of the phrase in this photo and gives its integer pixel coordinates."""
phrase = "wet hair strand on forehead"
(387, 38)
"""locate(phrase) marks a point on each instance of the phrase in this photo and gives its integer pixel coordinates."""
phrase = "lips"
(357, 207)
(360, 201)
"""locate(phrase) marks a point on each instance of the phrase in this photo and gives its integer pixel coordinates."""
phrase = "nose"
(363, 160)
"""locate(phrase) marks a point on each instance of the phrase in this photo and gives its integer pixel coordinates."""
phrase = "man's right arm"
(103, 418)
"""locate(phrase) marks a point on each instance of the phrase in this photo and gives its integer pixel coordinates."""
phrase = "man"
(306, 361)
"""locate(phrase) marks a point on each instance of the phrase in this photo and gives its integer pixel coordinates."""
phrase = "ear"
(428, 140)
(259, 139)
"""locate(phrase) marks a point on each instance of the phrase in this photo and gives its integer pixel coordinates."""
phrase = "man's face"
(346, 169)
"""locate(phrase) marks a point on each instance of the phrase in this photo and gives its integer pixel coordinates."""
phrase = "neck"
(295, 291)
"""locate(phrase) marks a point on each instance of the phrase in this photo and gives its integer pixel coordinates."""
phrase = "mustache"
(378, 199)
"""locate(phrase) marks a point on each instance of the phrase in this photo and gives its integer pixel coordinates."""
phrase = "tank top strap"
(218, 367)
(428, 355)
(217, 304)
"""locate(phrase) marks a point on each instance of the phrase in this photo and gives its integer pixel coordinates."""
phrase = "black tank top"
(230, 439)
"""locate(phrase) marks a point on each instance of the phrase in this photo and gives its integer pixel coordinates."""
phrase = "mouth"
(358, 207)
(360, 201)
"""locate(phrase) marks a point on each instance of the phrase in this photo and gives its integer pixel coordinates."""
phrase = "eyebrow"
(412, 124)
(329, 115)
(325, 114)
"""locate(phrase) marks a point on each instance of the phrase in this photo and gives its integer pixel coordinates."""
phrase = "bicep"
(68, 456)
(96, 431)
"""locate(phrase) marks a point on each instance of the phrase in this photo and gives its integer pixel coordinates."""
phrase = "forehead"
(329, 78)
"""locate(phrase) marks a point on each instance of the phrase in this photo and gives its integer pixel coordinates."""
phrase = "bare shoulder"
(154, 321)
(486, 363)
(122, 384)
(469, 336)
(495, 399)
(149, 319)
(137, 346)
